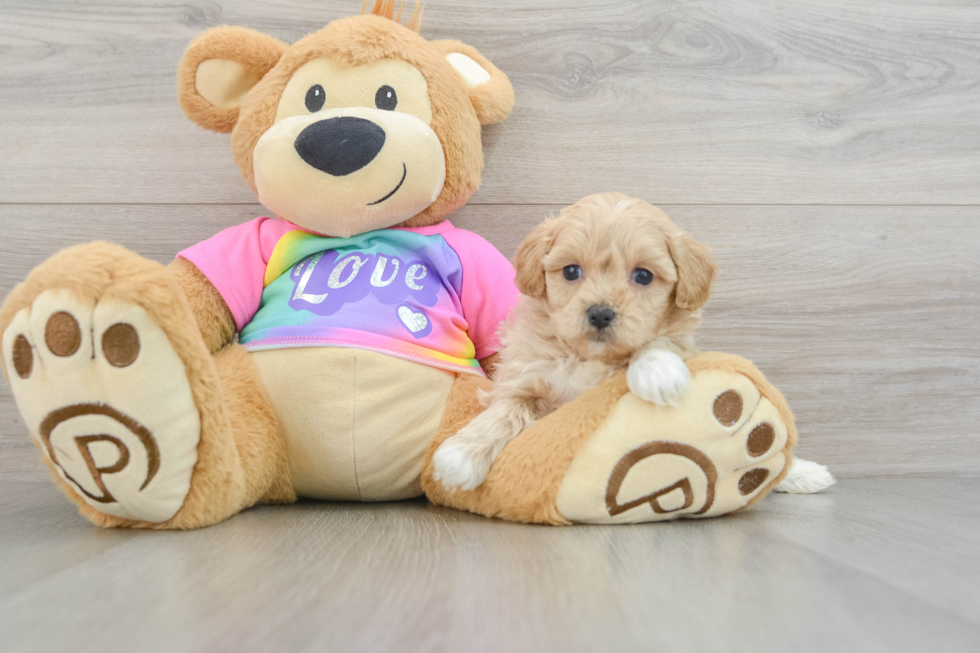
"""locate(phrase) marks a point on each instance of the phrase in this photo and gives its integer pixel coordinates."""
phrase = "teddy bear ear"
(218, 70)
(489, 89)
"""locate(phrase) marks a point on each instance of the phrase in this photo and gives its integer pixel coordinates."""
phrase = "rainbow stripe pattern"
(392, 291)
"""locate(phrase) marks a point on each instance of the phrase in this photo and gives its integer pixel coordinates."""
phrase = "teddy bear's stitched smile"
(404, 174)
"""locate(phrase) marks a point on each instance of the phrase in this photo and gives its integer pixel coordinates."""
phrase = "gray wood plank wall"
(829, 153)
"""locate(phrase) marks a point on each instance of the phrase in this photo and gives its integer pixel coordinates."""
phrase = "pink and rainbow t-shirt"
(433, 294)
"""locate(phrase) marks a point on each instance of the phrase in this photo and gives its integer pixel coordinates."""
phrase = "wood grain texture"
(827, 151)
(865, 317)
(711, 101)
(874, 565)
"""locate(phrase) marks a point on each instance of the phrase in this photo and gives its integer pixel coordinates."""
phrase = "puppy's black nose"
(340, 146)
(600, 316)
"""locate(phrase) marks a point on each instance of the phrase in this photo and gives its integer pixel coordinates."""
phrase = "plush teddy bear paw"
(107, 399)
(462, 461)
(659, 376)
(722, 446)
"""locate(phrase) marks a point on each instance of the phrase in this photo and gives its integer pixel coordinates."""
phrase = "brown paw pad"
(62, 334)
(23, 357)
(121, 344)
(751, 480)
(728, 407)
(760, 439)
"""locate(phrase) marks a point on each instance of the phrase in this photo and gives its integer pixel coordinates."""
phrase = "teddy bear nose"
(600, 317)
(340, 146)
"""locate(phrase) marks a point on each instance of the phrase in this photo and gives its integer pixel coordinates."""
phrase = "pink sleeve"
(489, 291)
(234, 260)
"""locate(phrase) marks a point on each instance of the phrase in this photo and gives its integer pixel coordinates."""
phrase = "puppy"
(610, 283)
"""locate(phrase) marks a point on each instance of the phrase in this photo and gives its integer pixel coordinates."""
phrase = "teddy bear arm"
(213, 316)
(489, 364)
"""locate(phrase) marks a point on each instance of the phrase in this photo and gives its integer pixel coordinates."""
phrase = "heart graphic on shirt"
(415, 321)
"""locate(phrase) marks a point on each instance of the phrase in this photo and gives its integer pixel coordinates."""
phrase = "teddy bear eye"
(642, 277)
(572, 272)
(315, 97)
(386, 98)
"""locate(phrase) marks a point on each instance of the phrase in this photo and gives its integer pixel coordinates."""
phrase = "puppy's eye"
(386, 98)
(572, 272)
(642, 277)
(315, 97)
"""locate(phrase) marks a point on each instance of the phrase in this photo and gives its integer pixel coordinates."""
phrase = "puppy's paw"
(659, 376)
(462, 463)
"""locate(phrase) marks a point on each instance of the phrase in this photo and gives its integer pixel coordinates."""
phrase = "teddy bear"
(326, 352)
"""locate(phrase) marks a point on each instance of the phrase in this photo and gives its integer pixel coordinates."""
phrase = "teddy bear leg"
(255, 429)
(610, 457)
(523, 481)
(131, 412)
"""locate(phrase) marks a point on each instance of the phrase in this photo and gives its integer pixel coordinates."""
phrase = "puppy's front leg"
(463, 460)
(659, 376)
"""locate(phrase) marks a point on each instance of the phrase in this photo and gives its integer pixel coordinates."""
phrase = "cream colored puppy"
(610, 283)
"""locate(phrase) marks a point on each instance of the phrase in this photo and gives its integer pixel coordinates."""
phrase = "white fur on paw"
(107, 400)
(659, 376)
(806, 477)
(460, 464)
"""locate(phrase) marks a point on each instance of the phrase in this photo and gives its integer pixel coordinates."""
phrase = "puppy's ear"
(696, 270)
(218, 70)
(529, 260)
(489, 89)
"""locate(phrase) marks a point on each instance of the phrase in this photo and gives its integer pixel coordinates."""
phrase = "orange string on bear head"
(386, 9)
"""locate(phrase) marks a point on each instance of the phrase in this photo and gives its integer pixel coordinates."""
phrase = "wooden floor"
(829, 152)
(884, 564)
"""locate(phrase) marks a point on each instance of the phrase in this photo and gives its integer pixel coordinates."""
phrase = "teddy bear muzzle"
(349, 170)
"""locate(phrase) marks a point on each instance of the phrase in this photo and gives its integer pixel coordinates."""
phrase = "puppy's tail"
(806, 477)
